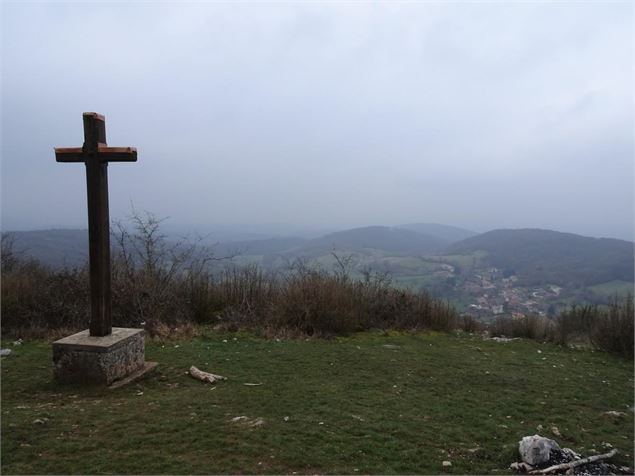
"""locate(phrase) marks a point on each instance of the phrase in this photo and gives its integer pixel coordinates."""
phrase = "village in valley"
(470, 281)
(486, 292)
(492, 295)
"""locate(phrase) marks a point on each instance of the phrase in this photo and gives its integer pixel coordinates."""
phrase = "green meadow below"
(371, 403)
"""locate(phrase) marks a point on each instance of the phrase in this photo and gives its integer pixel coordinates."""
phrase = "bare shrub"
(609, 329)
(316, 304)
(469, 324)
(36, 297)
(154, 280)
(526, 327)
(166, 286)
(612, 329)
(8, 255)
(574, 325)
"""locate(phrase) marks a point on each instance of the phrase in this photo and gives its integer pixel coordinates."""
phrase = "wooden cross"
(96, 155)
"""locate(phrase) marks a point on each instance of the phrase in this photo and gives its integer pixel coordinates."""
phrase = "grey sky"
(326, 114)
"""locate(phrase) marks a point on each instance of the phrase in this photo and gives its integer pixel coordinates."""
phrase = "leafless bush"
(609, 329)
(35, 297)
(527, 327)
(612, 329)
(316, 304)
(470, 325)
(574, 325)
(8, 256)
(155, 280)
(165, 285)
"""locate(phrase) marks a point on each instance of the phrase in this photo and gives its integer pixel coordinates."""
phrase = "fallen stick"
(573, 464)
(205, 376)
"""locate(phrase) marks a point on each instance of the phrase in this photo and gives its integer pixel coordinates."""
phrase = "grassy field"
(468, 260)
(370, 403)
(413, 283)
(611, 288)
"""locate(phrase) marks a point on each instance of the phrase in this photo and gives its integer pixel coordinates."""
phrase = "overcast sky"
(482, 115)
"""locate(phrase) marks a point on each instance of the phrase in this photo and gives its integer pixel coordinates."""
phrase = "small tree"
(155, 279)
(8, 256)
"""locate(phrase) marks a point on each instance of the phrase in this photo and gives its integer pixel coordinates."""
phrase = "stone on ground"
(536, 449)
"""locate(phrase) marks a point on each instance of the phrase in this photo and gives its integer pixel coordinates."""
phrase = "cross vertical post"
(98, 226)
(96, 154)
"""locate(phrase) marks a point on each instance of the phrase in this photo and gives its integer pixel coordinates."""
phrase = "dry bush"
(470, 325)
(169, 289)
(36, 298)
(166, 286)
(574, 325)
(162, 332)
(316, 304)
(8, 254)
(526, 327)
(157, 281)
(612, 329)
(607, 329)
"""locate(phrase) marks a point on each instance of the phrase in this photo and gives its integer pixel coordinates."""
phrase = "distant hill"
(545, 256)
(393, 240)
(446, 233)
(69, 248)
(57, 248)
(535, 256)
(258, 247)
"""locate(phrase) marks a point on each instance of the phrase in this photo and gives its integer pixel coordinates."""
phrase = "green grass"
(466, 260)
(411, 264)
(371, 403)
(612, 288)
(414, 283)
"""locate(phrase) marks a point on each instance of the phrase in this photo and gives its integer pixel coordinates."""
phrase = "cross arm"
(117, 154)
(69, 154)
(104, 154)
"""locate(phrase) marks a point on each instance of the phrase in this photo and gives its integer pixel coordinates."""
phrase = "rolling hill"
(447, 233)
(392, 240)
(539, 256)
(535, 256)
(258, 247)
(57, 248)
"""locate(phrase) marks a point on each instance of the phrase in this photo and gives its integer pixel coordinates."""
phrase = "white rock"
(535, 449)
(257, 422)
(521, 467)
(4, 352)
(503, 339)
(446, 464)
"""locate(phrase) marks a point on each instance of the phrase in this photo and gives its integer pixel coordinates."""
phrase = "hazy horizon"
(256, 231)
(326, 115)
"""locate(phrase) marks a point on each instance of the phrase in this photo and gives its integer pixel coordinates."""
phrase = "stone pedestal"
(107, 360)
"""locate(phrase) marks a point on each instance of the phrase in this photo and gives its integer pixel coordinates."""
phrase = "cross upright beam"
(96, 154)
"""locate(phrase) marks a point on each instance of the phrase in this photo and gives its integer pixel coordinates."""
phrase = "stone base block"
(82, 358)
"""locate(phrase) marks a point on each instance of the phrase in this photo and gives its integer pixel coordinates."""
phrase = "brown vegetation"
(606, 328)
(161, 285)
(164, 287)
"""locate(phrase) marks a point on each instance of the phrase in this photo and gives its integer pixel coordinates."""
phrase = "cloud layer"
(326, 114)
